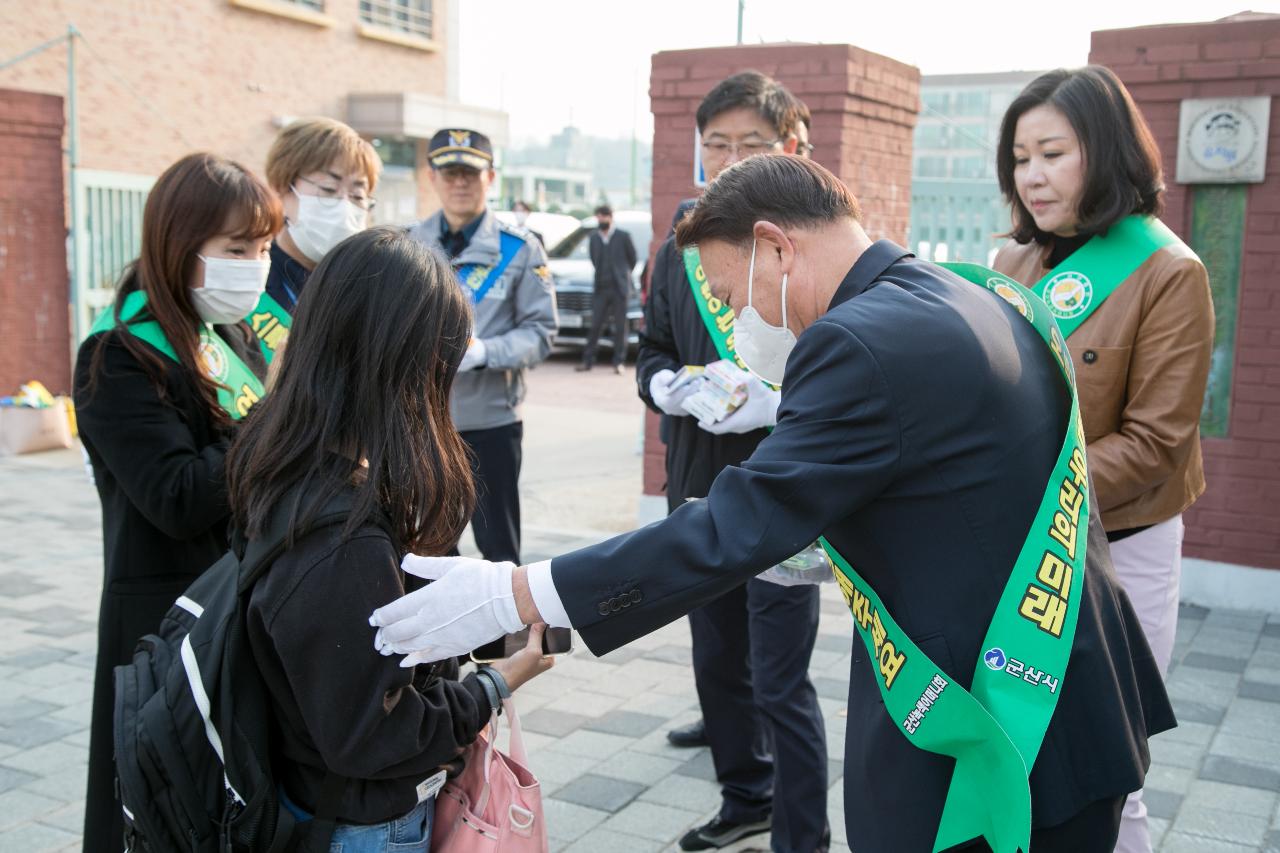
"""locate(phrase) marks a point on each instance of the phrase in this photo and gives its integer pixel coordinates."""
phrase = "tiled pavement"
(595, 726)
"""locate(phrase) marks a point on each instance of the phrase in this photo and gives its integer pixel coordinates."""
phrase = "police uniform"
(504, 269)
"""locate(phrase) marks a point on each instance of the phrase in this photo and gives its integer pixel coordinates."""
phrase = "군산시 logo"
(1009, 293)
(1068, 294)
(214, 360)
(994, 658)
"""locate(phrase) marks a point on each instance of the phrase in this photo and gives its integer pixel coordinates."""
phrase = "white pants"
(1149, 566)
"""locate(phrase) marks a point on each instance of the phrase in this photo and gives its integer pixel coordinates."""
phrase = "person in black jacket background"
(361, 407)
(613, 254)
(751, 646)
(155, 422)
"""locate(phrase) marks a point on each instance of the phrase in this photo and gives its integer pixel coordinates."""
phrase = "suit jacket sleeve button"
(636, 596)
(603, 608)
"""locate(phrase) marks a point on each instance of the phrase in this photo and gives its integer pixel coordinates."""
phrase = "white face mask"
(323, 223)
(763, 348)
(232, 288)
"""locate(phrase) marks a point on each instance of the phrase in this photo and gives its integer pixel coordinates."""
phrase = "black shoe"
(721, 833)
(581, 367)
(694, 734)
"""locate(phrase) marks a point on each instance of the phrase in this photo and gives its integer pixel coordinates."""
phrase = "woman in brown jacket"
(1081, 171)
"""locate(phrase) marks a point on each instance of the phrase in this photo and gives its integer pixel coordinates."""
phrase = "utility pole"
(741, 4)
(73, 164)
(635, 105)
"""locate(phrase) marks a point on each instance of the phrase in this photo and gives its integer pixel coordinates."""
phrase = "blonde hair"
(311, 144)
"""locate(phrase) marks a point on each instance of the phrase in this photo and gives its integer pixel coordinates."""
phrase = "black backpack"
(193, 720)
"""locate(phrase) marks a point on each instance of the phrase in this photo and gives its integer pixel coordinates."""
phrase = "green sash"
(994, 729)
(717, 316)
(1076, 287)
(238, 387)
(270, 322)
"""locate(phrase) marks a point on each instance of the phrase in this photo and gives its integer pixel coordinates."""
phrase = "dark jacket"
(158, 467)
(900, 448)
(614, 260)
(674, 335)
(337, 703)
(286, 279)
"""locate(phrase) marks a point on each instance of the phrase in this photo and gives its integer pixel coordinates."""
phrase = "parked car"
(553, 227)
(575, 276)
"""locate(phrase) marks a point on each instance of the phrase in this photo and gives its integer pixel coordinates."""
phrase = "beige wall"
(215, 76)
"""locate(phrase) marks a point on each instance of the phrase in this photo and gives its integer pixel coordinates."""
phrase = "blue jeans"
(409, 833)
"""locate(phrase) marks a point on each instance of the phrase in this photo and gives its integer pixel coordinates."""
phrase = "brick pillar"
(863, 108)
(35, 333)
(1236, 519)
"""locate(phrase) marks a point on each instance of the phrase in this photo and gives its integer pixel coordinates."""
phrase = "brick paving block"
(554, 723)
(53, 613)
(22, 708)
(1191, 612)
(637, 767)
(12, 777)
(1271, 842)
(1176, 780)
(1162, 804)
(671, 653)
(37, 731)
(585, 702)
(1172, 753)
(1232, 798)
(1233, 771)
(31, 657)
(700, 767)
(18, 584)
(1196, 734)
(48, 758)
(604, 793)
(1225, 642)
(1218, 662)
(650, 820)
(621, 656)
(51, 674)
(1240, 620)
(1156, 829)
(1252, 718)
(69, 817)
(557, 768)
(1220, 825)
(831, 688)
(66, 628)
(684, 792)
(1260, 690)
(626, 723)
(840, 642)
(18, 806)
(1198, 712)
(599, 840)
(1271, 629)
(567, 821)
(596, 745)
(73, 692)
(1243, 748)
(32, 837)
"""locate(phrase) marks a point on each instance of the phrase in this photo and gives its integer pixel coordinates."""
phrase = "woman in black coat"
(159, 384)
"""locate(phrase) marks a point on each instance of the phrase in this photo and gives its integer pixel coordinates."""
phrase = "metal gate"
(109, 234)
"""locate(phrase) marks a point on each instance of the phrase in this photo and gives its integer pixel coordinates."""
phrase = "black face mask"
(604, 226)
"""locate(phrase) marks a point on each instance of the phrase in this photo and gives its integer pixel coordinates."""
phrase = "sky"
(550, 63)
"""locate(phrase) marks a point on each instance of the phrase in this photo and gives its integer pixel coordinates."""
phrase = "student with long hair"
(159, 384)
(359, 414)
(1079, 167)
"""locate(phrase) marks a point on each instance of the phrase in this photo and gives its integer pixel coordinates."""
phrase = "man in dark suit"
(920, 421)
(614, 257)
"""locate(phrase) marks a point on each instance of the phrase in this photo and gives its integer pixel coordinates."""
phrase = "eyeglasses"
(331, 193)
(459, 174)
(722, 150)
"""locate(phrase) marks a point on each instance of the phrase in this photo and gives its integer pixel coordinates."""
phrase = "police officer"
(503, 270)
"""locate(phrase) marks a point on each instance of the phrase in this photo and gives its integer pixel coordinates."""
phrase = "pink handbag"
(495, 806)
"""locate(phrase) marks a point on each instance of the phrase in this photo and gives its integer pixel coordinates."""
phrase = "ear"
(791, 144)
(771, 238)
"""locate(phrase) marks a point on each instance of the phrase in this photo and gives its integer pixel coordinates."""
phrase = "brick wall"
(1237, 519)
(35, 343)
(863, 107)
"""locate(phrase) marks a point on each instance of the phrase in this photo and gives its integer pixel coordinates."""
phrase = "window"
(931, 167)
(932, 135)
(313, 5)
(968, 167)
(971, 103)
(410, 17)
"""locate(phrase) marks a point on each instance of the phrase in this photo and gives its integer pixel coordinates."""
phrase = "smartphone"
(555, 641)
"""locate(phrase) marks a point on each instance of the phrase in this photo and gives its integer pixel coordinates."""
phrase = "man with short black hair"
(613, 255)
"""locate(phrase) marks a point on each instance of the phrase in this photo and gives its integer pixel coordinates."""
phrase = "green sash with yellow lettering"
(238, 387)
(270, 322)
(994, 729)
(717, 316)
(1076, 287)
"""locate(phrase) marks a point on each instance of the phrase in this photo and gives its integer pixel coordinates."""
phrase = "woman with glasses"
(325, 174)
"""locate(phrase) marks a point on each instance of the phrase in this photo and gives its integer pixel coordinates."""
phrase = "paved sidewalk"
(596, 726)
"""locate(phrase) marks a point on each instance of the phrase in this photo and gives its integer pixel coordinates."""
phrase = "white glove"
(474, 356)
(669, 401)
(759, 410)
(471, 604)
